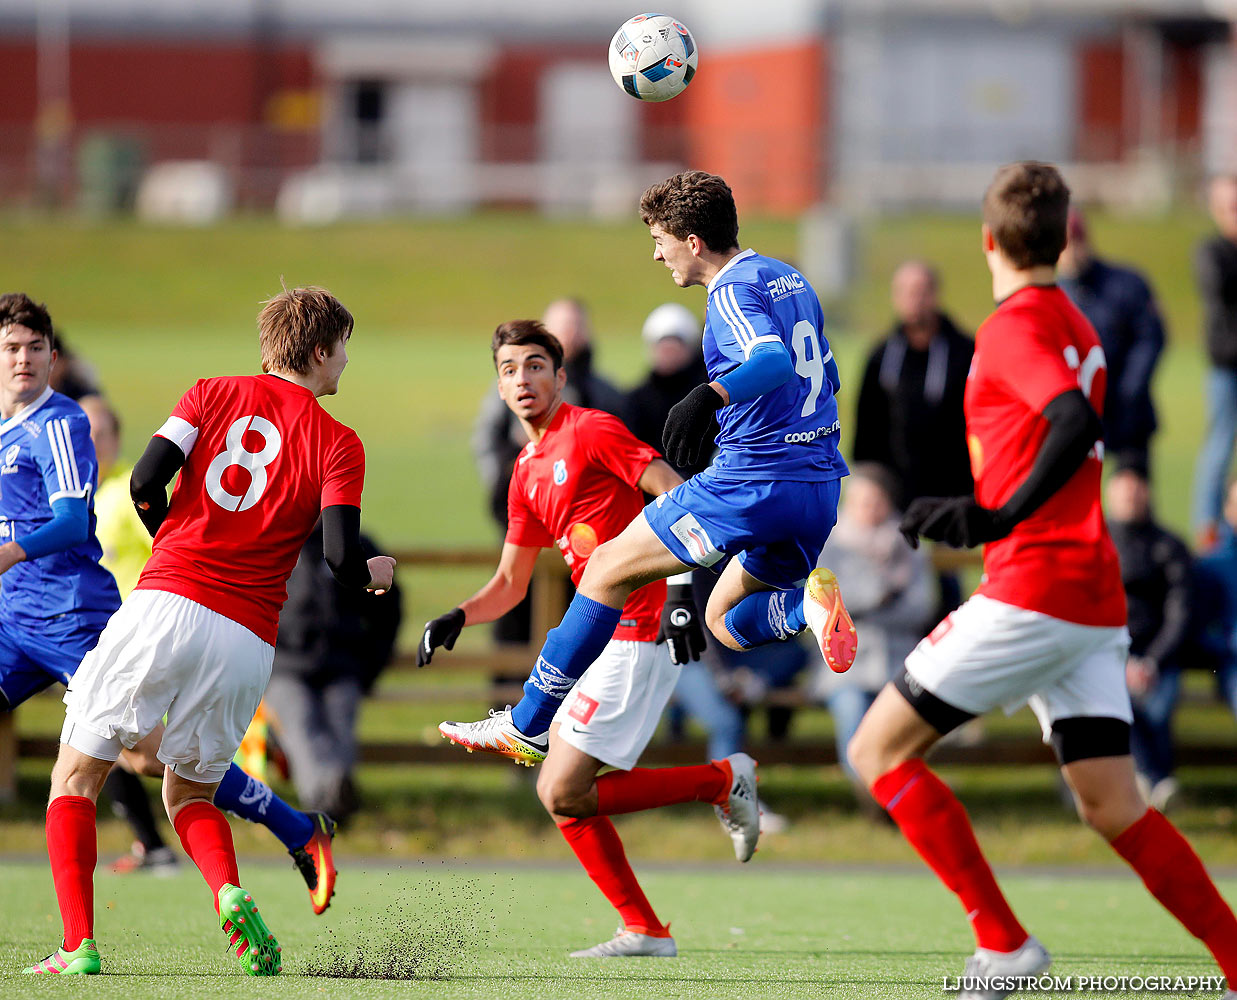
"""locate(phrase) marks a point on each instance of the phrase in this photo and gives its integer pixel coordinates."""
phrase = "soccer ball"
(653, 57)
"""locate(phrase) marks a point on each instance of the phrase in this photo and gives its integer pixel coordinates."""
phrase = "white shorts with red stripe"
(990, 654)
(613, 711)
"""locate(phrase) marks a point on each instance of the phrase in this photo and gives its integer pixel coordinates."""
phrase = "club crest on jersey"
(5, 530)
(10, 460)
(560, 472)
(696, 540)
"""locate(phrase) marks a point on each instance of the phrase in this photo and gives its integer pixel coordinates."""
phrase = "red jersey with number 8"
(1060, 561)
(262, 460)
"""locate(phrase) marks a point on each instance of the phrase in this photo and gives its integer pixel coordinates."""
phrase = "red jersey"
(1060, 561)
(576, 488)
(262, 459)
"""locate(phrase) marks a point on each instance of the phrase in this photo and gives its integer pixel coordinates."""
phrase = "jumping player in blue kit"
(55, 598)
(769, 500)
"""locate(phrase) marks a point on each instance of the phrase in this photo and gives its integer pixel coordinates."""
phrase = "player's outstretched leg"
(307, 836)
(249, 938)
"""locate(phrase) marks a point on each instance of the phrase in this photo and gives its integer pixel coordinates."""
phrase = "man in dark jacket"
(1215, 265)
(1119, 303)
(1156, 572)
(909, 416)
(332, 645)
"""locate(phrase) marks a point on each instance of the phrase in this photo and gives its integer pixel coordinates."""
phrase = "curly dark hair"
(693, 203)
(19, 309)
(1027, 206)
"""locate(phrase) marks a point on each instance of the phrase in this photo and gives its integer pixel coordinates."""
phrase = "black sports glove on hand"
(956, 521)
(442, 631)
(680, 624)
(687, 425)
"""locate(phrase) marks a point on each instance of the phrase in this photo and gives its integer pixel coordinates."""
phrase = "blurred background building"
(322, 110)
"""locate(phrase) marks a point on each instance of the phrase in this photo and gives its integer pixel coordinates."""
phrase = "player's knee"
(869, 757)
(561, 798)
(715, 621)
(144, 761)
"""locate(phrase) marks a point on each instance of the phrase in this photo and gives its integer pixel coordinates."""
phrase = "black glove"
(680, 624)
(687, 425)
(442, 631)
(956, 521)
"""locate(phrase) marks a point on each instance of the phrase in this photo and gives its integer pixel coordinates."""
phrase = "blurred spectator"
(1119, 304)
(1215, 603)
(1155, 570)
(672, 335)
(71, 375)
(126, 547)
(1215, 263)
(332, 645)
(497, 437)
(889, 593)
(909, 414)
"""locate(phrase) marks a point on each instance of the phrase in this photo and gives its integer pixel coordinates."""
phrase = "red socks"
(72, 847)
(651, 787)
(1173, 873)
(207, 839)
(935, 822)
(596, 843)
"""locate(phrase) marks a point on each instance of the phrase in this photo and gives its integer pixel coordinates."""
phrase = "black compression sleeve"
(148, 486)
(341, 545)
(1073, 428)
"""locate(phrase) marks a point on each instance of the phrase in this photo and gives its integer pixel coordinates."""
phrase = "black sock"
(131, 803)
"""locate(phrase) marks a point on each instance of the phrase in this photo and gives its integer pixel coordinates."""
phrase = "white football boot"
(498, 735)
(740, 816)
(1029, 960)
(630, 944)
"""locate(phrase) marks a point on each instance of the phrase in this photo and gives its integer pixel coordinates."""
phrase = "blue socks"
(250, 799)
(569, 650)
(770, 616)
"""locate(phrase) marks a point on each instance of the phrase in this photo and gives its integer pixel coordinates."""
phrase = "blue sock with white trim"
(254, 800)
(770, 616)
(569, 650)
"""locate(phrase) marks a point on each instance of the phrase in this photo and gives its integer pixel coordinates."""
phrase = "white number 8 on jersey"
(255, 462)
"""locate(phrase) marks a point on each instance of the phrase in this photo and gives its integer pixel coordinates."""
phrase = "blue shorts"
(34, 655)
(775, 528)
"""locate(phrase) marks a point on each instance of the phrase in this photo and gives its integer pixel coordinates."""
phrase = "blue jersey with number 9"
(792, 432)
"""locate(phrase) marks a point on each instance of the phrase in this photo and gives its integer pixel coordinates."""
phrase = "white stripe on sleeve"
(728, 290)
(723, 307)
(57, 449)
(180, 432)
(71, 455)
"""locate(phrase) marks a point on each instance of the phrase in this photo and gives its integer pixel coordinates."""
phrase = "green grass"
(451, 931)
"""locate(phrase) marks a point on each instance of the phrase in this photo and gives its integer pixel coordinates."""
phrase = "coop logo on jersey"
(560, 472)
(807, 437)
(10, 460)
(696, 540)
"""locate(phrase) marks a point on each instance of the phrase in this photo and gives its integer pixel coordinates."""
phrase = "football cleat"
(249, 938)
(160, 862)
(1001, 966)
(316, 863)
(829, 620)
(740, 816)
(83, 961)
(498, 735)
(630, 944)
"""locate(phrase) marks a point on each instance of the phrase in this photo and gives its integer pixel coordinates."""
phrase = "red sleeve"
(345, 475)
(524, 527)
(1025, 354)
(606, 442)
(189, 408)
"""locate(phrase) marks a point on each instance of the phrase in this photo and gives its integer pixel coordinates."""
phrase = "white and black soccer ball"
(653, 57)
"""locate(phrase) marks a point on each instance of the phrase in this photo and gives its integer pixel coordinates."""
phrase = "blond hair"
(295, 322)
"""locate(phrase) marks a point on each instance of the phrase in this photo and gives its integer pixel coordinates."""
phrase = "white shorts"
(988, 654)
(613, 710)
(163, 654)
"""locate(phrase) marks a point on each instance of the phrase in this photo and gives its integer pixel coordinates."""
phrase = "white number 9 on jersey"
(254, 462)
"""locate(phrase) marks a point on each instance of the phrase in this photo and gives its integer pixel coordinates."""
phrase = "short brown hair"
(1026, 207)
(518, 332)
(19, 309)
(295, 322)
(696, 203)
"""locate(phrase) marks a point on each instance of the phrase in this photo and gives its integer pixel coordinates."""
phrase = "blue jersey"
(46, 453)
(792, 432)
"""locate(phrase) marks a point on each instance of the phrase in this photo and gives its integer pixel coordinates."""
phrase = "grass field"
(479, 930)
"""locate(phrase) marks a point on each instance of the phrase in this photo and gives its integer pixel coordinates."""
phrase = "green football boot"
(248, 936)
(83, 961)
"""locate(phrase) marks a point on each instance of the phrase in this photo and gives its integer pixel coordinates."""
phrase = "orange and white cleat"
(829, 620)
(498, 735)
(316, 863)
